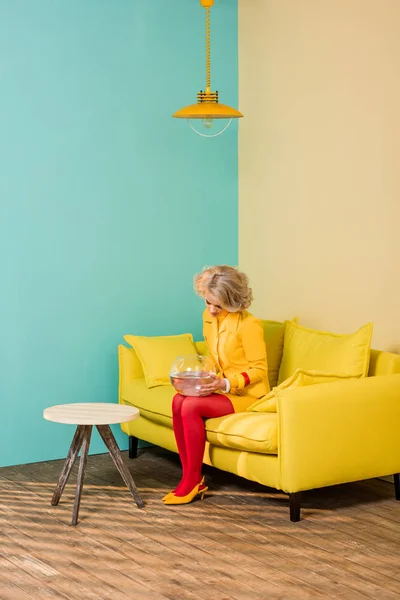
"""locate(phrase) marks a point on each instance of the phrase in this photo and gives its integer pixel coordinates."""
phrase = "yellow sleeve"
(252, 337)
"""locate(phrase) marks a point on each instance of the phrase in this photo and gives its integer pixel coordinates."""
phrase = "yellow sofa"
(320, 435)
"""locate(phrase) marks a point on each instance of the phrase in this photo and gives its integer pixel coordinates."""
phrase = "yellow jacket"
(237, 347)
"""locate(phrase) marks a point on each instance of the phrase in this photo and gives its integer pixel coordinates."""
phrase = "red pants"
(188, 413)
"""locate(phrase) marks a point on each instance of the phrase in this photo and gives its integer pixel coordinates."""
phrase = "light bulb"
(207, 123)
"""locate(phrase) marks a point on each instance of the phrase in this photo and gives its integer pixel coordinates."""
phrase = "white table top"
(91, 413)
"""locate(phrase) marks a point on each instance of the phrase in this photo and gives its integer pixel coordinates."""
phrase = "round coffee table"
(85, 416)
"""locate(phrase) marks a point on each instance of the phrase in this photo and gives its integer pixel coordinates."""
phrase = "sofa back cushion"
(274, 332)
(300, 378)
(201, 348)
(157, 354)
(383, 363)
(326, 352)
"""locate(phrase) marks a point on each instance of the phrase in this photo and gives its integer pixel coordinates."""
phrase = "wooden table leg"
(112, 446)
(69, 463)
(81, 472)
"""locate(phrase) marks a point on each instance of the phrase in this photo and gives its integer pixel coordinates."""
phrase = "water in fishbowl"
(189, 373)
(189, 384)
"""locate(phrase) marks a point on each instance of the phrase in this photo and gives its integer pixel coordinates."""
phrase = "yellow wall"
(319, 162)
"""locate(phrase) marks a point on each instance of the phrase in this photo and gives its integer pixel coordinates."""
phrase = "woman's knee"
(191, 405)
(206, 406)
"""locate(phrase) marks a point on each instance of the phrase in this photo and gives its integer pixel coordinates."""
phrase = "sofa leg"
(133, 444)
(396, 478)
(294, 504)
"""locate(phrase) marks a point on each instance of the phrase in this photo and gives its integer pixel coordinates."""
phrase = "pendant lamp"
(208, 109)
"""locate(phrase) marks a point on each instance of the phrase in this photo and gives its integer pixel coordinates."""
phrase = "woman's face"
(214, 308)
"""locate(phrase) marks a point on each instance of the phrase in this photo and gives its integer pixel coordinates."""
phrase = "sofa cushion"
(249, 432)
(157, 354)
(274, 332)
(300, 378)
(326, 352)
(154, 404)
(252, 432)
(383, 363)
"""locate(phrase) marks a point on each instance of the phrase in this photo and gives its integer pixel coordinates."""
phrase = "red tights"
(188, 413)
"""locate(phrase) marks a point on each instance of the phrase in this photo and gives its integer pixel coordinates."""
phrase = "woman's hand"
(210, 388)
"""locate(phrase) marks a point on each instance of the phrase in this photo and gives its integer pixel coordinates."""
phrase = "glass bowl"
(189, 373)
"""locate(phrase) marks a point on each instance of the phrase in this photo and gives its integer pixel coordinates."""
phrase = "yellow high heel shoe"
(172, 499)
(173, 491)
(168, 495)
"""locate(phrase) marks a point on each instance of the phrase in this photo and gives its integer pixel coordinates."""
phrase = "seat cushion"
(155, 404)
(249, 432)
(252, 432)
(326, 352)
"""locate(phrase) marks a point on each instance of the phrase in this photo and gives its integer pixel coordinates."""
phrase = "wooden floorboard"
(236, 544)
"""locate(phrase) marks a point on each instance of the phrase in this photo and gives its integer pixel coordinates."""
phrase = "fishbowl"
(189, 373)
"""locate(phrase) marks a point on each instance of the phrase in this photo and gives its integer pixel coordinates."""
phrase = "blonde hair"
(227, 285)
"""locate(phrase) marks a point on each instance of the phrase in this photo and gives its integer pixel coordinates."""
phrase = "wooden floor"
(236, 544)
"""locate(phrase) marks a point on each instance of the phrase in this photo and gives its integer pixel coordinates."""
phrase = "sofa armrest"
(129, 367)
(338, 432)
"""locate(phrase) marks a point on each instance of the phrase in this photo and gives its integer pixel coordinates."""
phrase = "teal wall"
(108, 206)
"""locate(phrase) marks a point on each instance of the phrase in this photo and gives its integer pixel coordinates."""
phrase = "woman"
(235, 342)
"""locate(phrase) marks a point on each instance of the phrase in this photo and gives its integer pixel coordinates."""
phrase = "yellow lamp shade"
(207, 110)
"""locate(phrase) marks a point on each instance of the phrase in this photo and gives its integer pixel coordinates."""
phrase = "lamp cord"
(208, 50)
